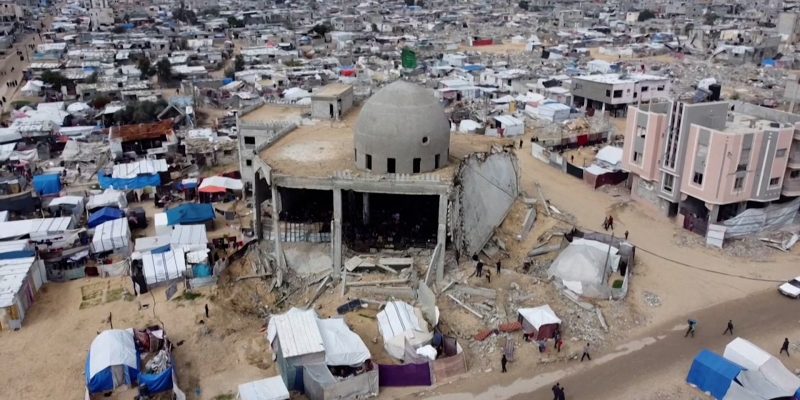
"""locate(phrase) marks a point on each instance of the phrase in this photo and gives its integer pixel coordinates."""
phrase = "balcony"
(791, 187)
(794, 161)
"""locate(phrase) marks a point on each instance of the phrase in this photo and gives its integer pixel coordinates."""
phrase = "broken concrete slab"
(527, 224)
(396, 262)
(544, 250)
(476, 291)
(405, 293)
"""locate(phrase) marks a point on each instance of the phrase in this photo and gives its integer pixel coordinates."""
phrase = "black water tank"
(545, 54)
(715, 90)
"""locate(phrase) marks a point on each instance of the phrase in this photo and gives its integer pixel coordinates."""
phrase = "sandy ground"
(664, 58)
(503, 48)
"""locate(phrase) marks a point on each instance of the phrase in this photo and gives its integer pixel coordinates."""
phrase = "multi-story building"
(705, 162)
(614, 92)
(11, 12)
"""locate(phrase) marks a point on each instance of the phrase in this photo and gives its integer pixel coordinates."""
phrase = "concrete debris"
(464, 306)
(651, 299)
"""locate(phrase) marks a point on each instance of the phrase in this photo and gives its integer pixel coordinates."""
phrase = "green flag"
(409, 58)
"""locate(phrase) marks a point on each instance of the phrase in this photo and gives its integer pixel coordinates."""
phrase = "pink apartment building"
(704, 162)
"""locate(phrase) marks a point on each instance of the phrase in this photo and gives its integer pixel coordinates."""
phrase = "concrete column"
(365, 210)
(336, 233)
(713, 214)
(441, 237)
(276, 226)
(258, 198)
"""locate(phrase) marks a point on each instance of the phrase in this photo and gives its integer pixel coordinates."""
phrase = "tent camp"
(765, 374)
(540, 322)
(114, 235)
(265, 389)
(112, 361)
(47, 185)
(163, 266)
(20, 280)
(189, 236)
(103, 215)
(191, 213)
(400, 323)
(713, 374)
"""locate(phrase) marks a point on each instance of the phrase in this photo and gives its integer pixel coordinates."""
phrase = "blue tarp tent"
(713, 373)
(113, 361)
(157, 383)
(140, 182)
(46, 185)
(104, 214)
(188, 214)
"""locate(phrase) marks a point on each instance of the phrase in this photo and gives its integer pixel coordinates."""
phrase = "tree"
(141, 112)
(322, 29)
(523, 4)
(238, 63)
(92, 78)
(145, 67)
(234, 22)
(164, 69)
(99, 102)
(710, 18)
(184, 15)
(646, 14)
(211, 12)
(54, 78)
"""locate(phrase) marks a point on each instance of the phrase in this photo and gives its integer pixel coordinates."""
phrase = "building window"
(669, 180)
(417, 165)
(641, 131)
(780, 153)
(741, 167)
(608, 93)
(617, 94)
(436, 162)
(369, 162)
(390, 165)
(248, 163)
(249, 141)
(738, 183)
(645, 88)
(660, 88)
(698, 178)
(636, 156)
(774, 181)
(794, 174)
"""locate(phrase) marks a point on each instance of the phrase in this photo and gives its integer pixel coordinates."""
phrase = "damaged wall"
(486, 186)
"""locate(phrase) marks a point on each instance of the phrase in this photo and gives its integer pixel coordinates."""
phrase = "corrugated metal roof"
(141, 167)
(12, 275)
(297, 332)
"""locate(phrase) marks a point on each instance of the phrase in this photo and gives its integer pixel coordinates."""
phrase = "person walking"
(503, 362)
(206, 307)
(111, 323)
(729, 328)
(557, 391)
(586, 353)
(626, 235)
(785, 347)
(611, 222)
(692, 328)
(605, 223)
(498, 267)
(479, 269)
(489, 276)
(557, 340)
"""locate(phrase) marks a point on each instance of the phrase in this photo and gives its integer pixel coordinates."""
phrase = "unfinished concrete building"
(387, 177)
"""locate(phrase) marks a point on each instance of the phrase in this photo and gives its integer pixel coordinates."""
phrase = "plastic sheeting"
(265, 389)
(755, 220)
(111, 235)
(157, 383)
(581, 267)
(405, 375)
(539, 316)
(162, 267)
(46, 185)
(400, 322)
(342, 346)
(139, 182)
(138, 168)
(110, 197)
(103, 215)
(765, 375)
(188, 214)
(110, 349)
(221, 181)
(320, 384)
(713, 374)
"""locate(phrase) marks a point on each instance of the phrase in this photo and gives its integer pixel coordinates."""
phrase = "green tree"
(646, 14)
(523, 4)
(92, 78)
(322, 29)
(145, 67)
(234, 22)
(99, 102)
(238, 63)
(211, 12)
(184, 15)
(710, 18)
(54, 78)
(164, 69)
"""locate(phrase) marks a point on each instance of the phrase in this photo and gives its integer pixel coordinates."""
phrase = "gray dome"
(405, 123)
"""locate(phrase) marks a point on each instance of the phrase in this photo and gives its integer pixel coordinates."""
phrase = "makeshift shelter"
(163, 266)
(342, 346)
(583, 265)
(113, 361)
(34, 227)
(265, 389)
(47, 185)
(765, 374)
(109, 198)
(67, 205)
(539, 322)
(717, 376)
(504, 126)
(214, 184)
(400, 323)
(188, 214)
(114, 235)
(20, 281)
(189, 236)
(104, 215)
(320, 384)
(296, 341)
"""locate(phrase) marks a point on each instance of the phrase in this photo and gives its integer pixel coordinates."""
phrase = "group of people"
(479, 271)
(608, 223)
(729, 330)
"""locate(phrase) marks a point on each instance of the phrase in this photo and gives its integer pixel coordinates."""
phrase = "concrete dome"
(402, 124)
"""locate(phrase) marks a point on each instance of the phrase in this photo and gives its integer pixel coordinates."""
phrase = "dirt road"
(653, 366)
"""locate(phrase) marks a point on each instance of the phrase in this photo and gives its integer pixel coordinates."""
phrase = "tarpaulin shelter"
(215, 184)
(581, 267)
(34, 227)
(188, 214)
(103, 215)
(114, 235)
(68, 205)
(296, 341)
(342, 346)
(399, 323)
(163, 266)
(21, 278)
(265, 389)
(113, 361)
(320, 384)
(24, 202)
(717, 376)
(109, 198)
(541, 322)
(765, 374)
(139, 182)
(47, 185)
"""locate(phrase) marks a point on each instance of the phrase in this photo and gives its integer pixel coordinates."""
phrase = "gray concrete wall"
(489, 184)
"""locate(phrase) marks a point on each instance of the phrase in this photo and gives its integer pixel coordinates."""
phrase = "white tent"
(189, 235)
(610, 157)
(146, 244)
(141, 167)
(765, 374)
(112, 235)
(109, 198)
(112, 360)
(400, 322)
(264, 389)
(295, 94)
(298, 336)
(342, 346)
(35, 227)
(582, 265)
(221, 181)
(162, 267)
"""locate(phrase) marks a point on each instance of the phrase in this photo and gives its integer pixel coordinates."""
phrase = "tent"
(188, 214)
(212, 184)
(581, 267)
(109, 198)
(21, 277)
(717, 376)
(765, 374)
(540, 321)
(400, 323)
(68, 205)
(163, 266)
(112, 235)
(112, 362)
(265, 389)
(46, 185)
(104, 214)
(342, 346)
